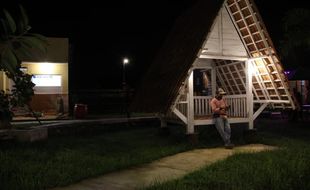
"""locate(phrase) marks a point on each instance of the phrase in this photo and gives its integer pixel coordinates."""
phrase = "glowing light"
(252, 70)
(125, 61)
(255, 64)
(46, 68)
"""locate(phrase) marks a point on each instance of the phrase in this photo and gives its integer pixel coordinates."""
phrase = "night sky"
(101, 34)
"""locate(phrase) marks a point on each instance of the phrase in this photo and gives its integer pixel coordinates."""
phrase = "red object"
(80, 111)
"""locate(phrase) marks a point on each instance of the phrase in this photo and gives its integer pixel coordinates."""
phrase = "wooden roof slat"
(231, 72)
(248, 29)
(235, 81)
(260, 26)
(256, 41)
(222, 76)
(254, 89)
(185, 42)
(262, 85)
(258, 51)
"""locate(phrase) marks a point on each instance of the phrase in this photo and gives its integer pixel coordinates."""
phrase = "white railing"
(237, 105)
(182, 107)
(202, 105)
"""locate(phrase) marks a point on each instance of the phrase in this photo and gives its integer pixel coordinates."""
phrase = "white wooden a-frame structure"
(238, 55)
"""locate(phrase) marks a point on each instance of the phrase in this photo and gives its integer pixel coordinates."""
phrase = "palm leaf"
(24, 17)
(23, 22)
(34, 43)
(9, 61)
(4, 30)
(40, 37)
(10, 22)
(31, 48)
(15, 45)
(22, 52)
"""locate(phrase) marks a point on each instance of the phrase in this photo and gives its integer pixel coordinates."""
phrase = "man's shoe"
(229, 146)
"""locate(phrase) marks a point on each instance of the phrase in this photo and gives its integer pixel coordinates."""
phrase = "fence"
(102, 101)
(238, 106)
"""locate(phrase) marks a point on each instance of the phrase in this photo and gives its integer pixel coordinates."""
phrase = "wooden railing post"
(190, 108)
(238, 105)
(248, 69)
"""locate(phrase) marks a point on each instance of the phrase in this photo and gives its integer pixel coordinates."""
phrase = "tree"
(16, 43)
(295, 47)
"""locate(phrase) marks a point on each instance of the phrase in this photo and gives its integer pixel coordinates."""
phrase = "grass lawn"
(64, 160)
(286, 168)
(68, 159)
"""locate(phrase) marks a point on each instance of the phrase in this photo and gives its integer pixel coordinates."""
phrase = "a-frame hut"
(227, 44)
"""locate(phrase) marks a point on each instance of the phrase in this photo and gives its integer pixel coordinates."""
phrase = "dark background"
(102, 33)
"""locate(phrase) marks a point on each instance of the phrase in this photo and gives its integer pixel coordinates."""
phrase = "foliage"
(4, 106)
(16, 44)
(23, 88)
(296, 43)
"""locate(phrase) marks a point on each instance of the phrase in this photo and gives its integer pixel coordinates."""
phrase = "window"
(47, 84)
(46, 80)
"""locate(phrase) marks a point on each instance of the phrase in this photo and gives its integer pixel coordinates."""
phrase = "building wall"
(49, 69)
(45, 98)
(2, 82)
(223, 39)
(57, 51)
(48, 103)
(54, 62)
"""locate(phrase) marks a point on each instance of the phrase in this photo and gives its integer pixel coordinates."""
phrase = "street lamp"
(125, 62)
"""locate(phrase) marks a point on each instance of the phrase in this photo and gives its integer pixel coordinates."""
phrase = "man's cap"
(221, 91)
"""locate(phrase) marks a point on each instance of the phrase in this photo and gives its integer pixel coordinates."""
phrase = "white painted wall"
(223, 39)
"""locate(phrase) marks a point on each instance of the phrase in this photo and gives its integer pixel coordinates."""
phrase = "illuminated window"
(46, 80)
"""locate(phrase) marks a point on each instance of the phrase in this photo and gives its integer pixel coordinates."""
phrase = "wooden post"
(190, 105)
(163, 122)
(213, 80)
(249, 94)
(164, 129)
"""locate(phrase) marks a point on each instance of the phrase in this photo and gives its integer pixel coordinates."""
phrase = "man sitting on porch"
(219, 109)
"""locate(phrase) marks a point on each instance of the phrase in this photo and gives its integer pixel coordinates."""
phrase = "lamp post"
(125, 62)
